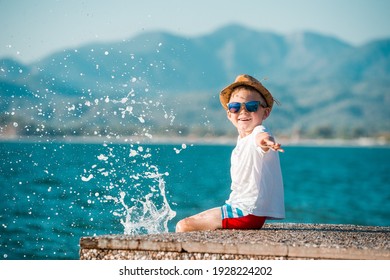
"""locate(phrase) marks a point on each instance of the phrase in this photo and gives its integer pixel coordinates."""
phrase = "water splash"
(113, 98)
(125, 175)
(136, 189)
(144, 216)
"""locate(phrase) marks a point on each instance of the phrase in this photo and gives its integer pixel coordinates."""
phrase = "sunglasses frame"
(258, 103)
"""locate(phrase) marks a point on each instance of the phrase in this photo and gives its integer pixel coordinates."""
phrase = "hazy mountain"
(162, 83)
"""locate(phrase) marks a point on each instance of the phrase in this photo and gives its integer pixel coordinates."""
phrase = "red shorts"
(232, 218)
(246, 222)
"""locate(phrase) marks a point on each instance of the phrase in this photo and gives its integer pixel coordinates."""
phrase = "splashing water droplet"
(86, 179)
(102, 157)
(133, 153)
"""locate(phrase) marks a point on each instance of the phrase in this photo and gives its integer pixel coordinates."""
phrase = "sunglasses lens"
(234, 107)
(252, 106)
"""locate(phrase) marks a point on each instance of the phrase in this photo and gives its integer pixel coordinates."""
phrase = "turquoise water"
(54, 193)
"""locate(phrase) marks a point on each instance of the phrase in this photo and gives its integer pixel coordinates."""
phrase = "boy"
(257, 186)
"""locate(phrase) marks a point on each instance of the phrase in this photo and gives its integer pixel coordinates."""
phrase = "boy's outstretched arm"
(266, 142)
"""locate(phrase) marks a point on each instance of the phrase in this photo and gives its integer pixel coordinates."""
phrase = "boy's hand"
(265, 141)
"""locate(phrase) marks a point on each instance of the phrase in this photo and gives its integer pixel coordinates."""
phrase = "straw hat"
(247, 80)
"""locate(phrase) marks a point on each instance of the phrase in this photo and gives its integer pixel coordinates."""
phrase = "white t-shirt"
(257, 183)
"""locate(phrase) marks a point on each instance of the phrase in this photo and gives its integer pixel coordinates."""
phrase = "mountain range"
(166, 84)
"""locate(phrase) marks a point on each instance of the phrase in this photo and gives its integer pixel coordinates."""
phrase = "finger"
(276, 147)
(268, 142)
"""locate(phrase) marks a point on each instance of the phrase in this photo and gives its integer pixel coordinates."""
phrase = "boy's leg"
(208, 220)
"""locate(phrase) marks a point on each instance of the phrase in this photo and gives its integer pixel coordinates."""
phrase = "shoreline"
(194, 140)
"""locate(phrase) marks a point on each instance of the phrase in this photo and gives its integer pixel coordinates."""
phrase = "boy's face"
(246, 121)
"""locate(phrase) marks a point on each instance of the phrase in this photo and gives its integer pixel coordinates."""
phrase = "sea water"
(54, 193)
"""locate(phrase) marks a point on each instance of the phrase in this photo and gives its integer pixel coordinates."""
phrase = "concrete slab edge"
(278, 250)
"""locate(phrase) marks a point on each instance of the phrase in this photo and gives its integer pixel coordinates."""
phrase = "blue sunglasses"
(250, 106)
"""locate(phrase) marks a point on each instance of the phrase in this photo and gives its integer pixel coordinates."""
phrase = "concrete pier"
(273, 241)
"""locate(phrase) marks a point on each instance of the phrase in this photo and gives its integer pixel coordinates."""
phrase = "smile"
(244, 119)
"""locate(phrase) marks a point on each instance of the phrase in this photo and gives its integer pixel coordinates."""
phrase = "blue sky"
(33, 29)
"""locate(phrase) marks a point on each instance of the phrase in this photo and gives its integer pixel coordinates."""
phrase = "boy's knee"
(181, 226)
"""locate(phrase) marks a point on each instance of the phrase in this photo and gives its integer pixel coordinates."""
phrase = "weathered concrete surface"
(274, 241)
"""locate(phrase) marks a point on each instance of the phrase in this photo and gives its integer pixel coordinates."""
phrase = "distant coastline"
(195, 140)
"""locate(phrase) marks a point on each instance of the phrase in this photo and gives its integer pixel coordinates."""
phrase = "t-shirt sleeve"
(259, 129)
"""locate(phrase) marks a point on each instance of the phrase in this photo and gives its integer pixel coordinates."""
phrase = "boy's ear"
(267, 111)
(228, 114)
